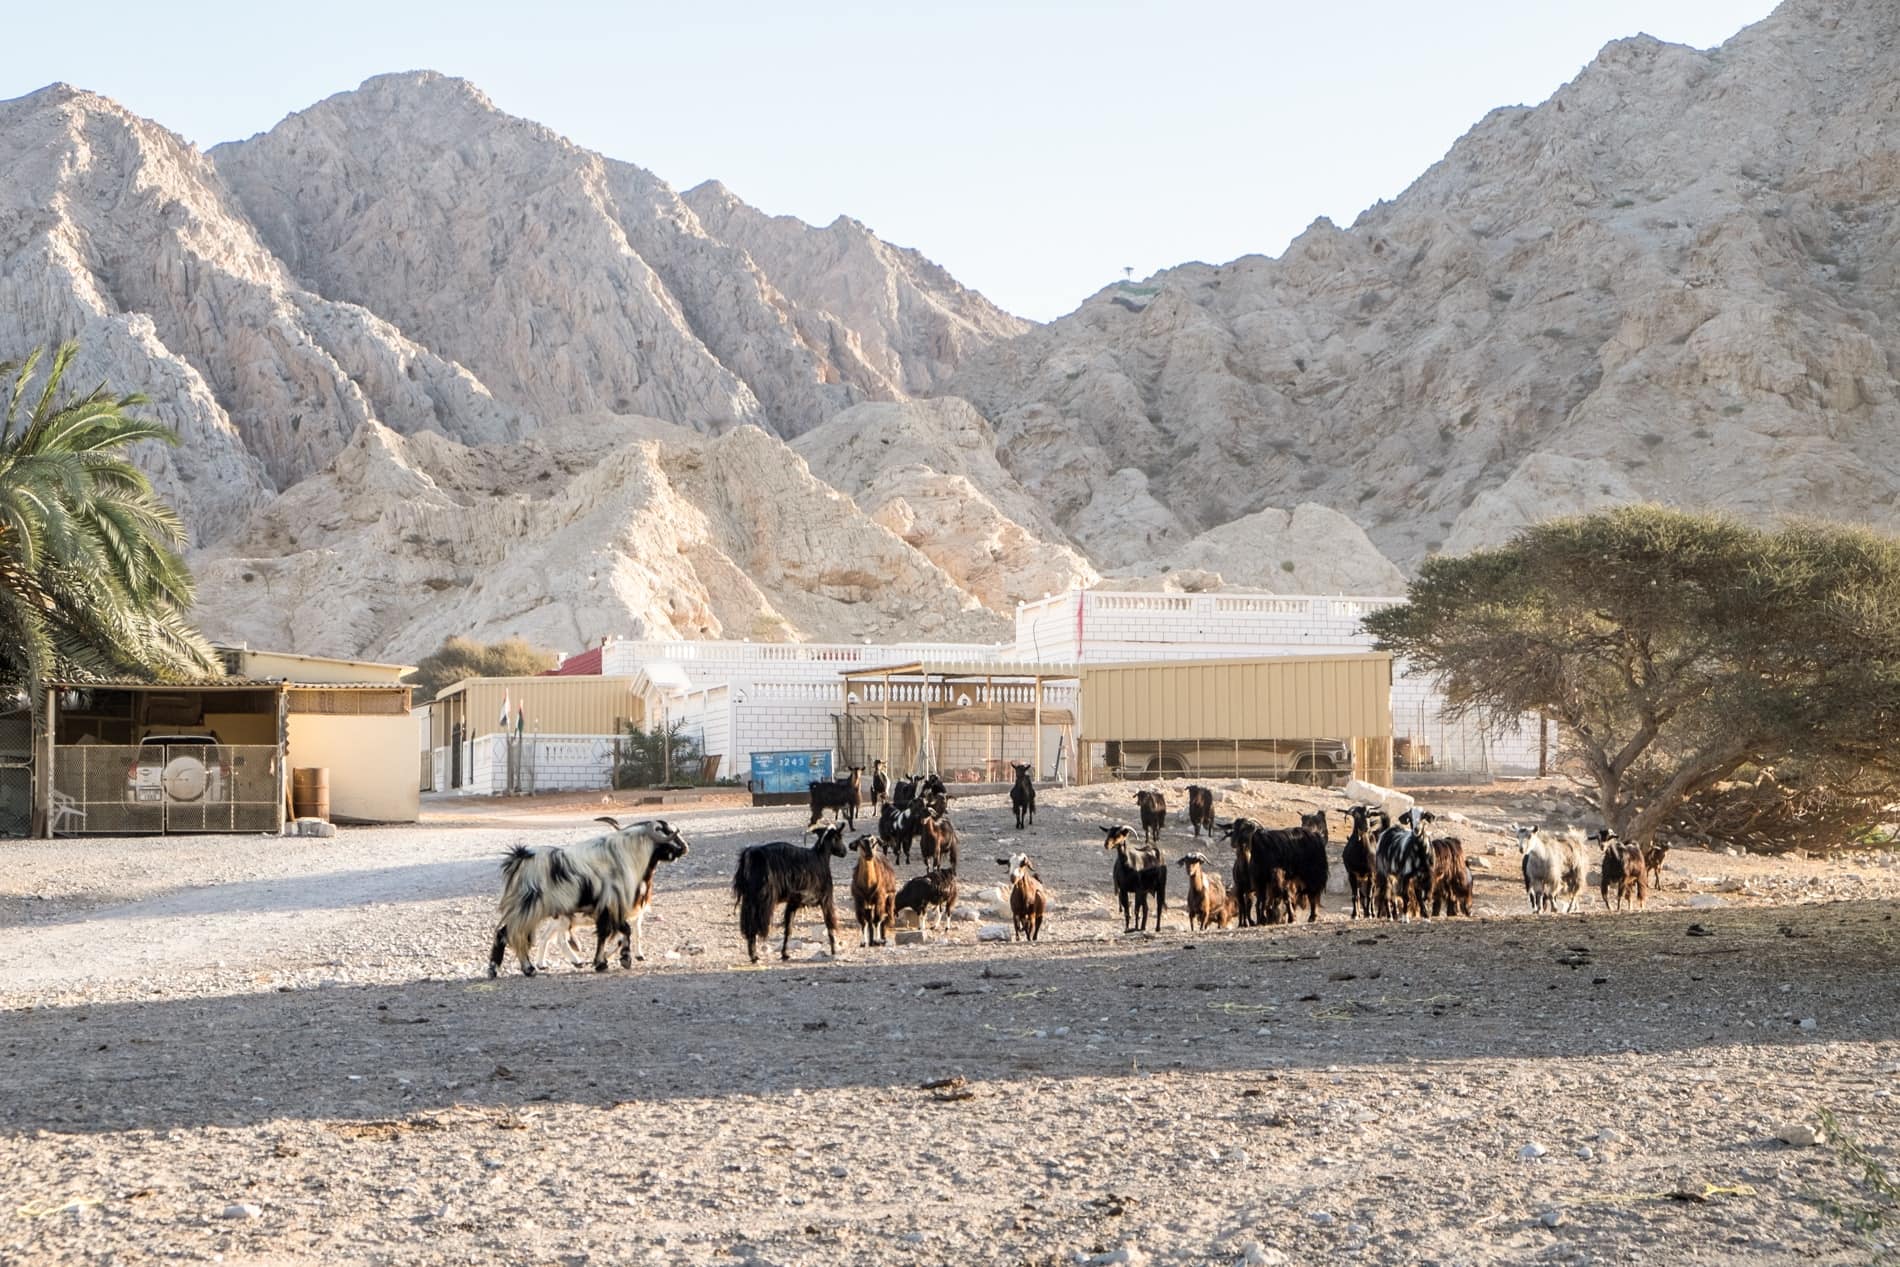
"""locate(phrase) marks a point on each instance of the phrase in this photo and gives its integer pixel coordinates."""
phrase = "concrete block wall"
(560, 763)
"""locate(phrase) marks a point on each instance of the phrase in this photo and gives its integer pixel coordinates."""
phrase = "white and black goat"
(1402, 865)
(610, 876)
(797, 875)
(1553, 866)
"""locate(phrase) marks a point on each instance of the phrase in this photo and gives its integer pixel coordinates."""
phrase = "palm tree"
(91, 581)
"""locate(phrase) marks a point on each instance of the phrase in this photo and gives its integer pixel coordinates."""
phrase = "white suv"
(178, 770)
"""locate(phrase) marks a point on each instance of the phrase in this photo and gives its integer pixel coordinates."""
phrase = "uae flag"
(504, 710)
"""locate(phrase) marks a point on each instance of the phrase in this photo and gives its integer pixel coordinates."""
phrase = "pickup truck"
(1319, 762)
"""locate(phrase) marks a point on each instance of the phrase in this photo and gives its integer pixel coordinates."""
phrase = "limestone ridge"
(1674, 279)
(118, 233)
(569, 282)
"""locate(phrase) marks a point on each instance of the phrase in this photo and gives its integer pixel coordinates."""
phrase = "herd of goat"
(1394, 869)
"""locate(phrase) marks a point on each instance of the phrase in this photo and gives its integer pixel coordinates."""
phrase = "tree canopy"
(1672, 649)
(459, 658)
(91, 580)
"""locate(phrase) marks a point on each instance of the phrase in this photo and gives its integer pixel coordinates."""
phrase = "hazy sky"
(1034, 149)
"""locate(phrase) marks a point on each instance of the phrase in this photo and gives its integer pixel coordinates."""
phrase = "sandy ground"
(260, 1051)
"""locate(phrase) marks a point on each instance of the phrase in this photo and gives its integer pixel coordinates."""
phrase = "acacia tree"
(1671, 649)
(91, 581)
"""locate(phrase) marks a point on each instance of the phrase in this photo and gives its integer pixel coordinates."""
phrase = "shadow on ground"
(1331, 994)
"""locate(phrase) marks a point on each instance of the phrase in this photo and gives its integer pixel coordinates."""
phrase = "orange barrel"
(310, 792)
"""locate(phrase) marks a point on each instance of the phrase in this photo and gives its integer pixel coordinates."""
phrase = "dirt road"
(288, 1051)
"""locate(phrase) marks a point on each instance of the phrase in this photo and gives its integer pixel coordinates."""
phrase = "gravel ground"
(270, 1051)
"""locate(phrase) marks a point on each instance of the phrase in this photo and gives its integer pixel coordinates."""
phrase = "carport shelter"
(126, 756)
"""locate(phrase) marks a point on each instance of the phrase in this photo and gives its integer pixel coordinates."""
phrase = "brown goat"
(1624, 870)
(1027, 898)
(937, 839)
(1154, 815)
(1201, 809)
(1208, 902)
(1450, 877)
(873, 893)
(1653, 854)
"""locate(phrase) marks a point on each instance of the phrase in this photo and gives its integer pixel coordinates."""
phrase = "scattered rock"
(1551, 1217)
(993, 932)
(1808, 1022)
(1531, 1151)
(1254, 1254)
(1800, 1135)
(242, 1210)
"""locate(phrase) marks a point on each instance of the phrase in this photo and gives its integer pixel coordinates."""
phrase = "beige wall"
(318, 669)
(243, 728)
(1275, 697)
(371, 759)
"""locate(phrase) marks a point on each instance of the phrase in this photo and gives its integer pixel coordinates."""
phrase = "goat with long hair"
(610, 876)
(796, 875)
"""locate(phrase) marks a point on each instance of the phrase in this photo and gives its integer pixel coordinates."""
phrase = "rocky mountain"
(605, 522)
(1673, 280)
(439, 370)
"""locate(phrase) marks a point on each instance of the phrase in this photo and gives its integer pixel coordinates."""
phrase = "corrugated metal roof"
(145, 684)
(349, 686)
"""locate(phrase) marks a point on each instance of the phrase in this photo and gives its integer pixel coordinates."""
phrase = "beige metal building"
(1274, 716)
(566, 724)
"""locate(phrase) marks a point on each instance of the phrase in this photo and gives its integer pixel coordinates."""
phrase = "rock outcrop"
(1673, 280)
(592, 526)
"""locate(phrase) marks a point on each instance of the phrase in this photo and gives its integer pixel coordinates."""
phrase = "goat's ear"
(610, 821)
(1002, 862)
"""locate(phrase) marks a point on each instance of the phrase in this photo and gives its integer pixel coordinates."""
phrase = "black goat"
(880, 784)
(1239, 834)
(1357, 857)
(1201, 809)
(1154, 815)
(1022, 795)
(781, 871)
(840, 795)
(1139, 871)
(1289, 869)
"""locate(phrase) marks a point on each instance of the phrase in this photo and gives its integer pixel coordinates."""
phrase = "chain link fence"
(151, 789)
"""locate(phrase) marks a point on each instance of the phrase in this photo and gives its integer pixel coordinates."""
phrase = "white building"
(741, 698)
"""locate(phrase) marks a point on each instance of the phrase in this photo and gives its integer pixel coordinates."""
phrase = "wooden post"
(1543, 744)
(929, 753)
(1035, 740)
(887, 727)
(989, 688)
(43, 772)
(283, 755)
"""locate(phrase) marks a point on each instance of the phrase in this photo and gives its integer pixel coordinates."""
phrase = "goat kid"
(933, 890)
(1208, 901)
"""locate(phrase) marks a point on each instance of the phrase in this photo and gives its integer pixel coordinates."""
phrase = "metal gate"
(152, 789)
(16, 774)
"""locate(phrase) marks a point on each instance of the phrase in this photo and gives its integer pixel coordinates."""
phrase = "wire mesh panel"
(148, 789)
(16, 799)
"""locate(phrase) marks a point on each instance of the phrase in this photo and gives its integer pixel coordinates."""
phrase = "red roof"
(580, 664)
